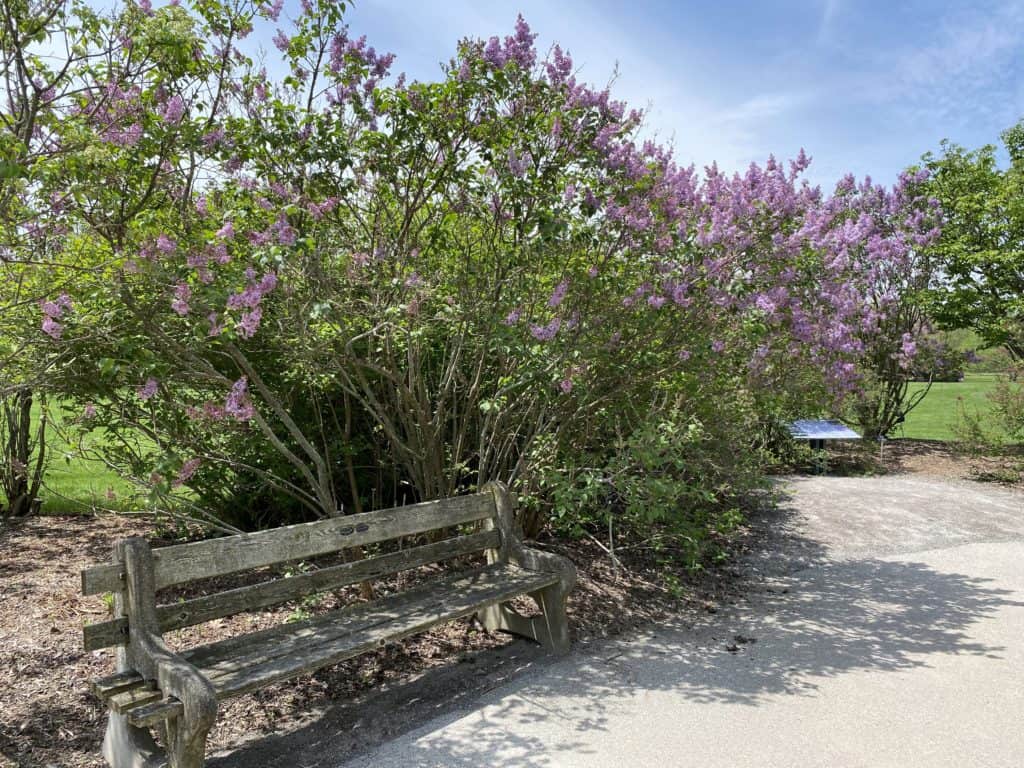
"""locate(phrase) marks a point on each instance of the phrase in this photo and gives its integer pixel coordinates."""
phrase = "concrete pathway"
(888, 630)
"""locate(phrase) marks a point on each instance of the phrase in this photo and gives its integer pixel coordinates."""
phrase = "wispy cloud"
(829, 11)
(968, 68)
(866, 86)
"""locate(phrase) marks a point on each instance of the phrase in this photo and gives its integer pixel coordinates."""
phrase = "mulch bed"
(928, 458)
(939, 459)
(49, 718)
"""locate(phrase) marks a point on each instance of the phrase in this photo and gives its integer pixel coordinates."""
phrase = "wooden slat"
(230, 554)
(256, 596)
(102, 578)
(136, 697)
(105, 687)
(104, 634)
(238, 665)
(283, 638)
(153, 714)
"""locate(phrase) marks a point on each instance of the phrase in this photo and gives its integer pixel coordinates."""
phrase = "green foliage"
(1008, 404)
(669, 473)
(982, 244)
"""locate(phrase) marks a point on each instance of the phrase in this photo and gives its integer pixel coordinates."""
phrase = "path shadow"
(807, 619)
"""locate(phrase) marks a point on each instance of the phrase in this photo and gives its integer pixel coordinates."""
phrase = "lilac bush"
(343, 289)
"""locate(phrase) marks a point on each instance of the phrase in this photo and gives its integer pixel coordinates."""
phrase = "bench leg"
(551, 601)
(186, 735)
(550, 629)
(126, 746)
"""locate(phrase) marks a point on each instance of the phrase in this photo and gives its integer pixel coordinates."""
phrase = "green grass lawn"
(936, 415)
(75, 484)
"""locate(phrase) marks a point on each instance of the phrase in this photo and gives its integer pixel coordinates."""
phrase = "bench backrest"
(231, 554)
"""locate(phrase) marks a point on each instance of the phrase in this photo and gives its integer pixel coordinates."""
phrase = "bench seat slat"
(152, 714)
(256, 596)
(230, 554)
(136, 697)
(105, 687)
(237, 665)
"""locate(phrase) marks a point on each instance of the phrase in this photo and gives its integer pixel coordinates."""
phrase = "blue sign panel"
(821, 429)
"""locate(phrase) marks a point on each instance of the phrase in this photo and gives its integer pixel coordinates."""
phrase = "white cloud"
(705, 123)
(969, 68)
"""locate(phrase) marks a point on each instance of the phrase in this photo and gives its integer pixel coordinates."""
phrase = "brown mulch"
(929, 458)
(938, 459)
(49, 718)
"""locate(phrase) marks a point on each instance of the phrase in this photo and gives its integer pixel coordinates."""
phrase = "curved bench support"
(551, 628)
(147, 654)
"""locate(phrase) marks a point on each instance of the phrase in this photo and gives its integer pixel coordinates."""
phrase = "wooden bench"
(155, 687)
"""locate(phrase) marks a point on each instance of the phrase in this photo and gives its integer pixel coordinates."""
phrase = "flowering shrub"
(343, 289)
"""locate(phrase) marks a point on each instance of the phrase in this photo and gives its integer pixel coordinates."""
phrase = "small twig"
(616, 563)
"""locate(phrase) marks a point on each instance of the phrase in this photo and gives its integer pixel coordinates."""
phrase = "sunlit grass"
(936, 416)
(74, 483)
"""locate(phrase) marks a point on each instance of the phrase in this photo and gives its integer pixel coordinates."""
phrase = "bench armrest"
(537, 560)
(519, 554)
(147, 652)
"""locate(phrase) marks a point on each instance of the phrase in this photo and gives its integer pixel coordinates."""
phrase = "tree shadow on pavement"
(806, 619)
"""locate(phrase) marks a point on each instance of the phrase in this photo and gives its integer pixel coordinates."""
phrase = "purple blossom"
(558, 295)
(124, 137)
(493, 53)
(52, 328)
(286, 234)
(89, 412)
(546, 332)
(566, 386)
(212, 138)
(148, 389)
(281, 41)
(238, 405)
(250, 323)
(513, 317)
(518, 165)
(182, 293)
(254, 292)
(226, 232)
(908, 346)
(268, 283)
(166, 245)
(717, 346)
(174, 110)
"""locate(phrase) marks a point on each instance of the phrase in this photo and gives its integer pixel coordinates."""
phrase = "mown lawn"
(937, 414)
(75, 484)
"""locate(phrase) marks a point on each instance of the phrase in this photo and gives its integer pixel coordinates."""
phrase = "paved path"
(888, 630)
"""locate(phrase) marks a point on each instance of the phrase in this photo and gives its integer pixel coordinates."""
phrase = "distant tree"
(981, 250)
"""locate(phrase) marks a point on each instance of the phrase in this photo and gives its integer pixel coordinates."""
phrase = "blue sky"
(864, 86)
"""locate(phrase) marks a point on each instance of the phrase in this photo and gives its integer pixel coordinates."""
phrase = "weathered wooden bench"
(177, 693)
